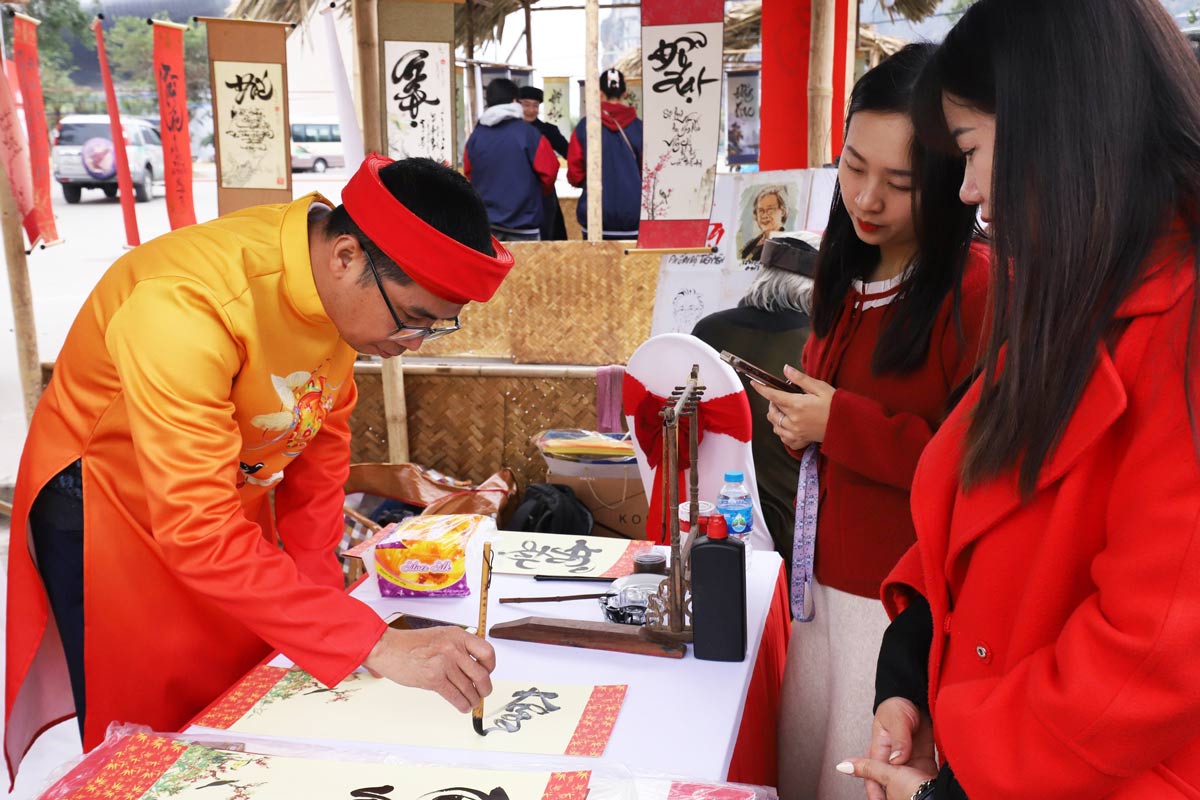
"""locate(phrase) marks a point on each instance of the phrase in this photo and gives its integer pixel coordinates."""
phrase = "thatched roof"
(742, 24)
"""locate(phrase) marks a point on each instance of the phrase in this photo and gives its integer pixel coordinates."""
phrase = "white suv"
(84, 158)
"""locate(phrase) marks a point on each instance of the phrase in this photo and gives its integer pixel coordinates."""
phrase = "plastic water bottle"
(734, 505)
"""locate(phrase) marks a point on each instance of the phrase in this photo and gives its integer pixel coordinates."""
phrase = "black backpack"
(551, 508)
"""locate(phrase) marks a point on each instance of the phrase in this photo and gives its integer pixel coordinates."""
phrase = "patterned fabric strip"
(804, 543)
(129, 772)
(599, 717)
(230, 708)
(567, 786)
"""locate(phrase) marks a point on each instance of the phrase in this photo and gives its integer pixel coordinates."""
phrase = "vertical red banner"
(173, 119)
(124, 180)
(25, 53)
(14, 152)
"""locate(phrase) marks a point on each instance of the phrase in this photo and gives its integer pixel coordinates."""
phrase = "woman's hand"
(798, 419)
(898, 783)
(901, 736)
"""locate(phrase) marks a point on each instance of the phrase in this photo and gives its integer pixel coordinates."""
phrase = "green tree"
(959, 7)
(62, 22)
(130, 45)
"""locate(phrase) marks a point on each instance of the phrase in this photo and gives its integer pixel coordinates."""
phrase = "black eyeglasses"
(403, 331)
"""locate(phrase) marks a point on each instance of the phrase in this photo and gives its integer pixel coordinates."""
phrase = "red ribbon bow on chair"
(729, 415)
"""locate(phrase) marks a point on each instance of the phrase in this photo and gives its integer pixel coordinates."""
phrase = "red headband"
(451, 270)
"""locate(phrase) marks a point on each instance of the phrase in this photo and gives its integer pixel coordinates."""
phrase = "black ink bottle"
(718, 595)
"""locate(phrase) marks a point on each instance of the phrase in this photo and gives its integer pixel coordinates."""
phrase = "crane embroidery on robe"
(306, 399)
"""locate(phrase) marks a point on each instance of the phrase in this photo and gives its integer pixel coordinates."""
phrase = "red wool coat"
(1066, 629)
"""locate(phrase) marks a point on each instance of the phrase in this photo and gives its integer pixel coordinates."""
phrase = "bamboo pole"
(366, 30)
(418, 366)
(469, 103)
(528, 33)
(595, 165)
(22, 298)
(820, 82)
(851, 45)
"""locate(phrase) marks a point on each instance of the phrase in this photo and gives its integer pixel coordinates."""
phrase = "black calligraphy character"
(518, 710)
(409, 73)
(170, 83)
(673, 61)
(579, 555)
(373, 793)
(258, 88)
(743, 97)
(463, 793)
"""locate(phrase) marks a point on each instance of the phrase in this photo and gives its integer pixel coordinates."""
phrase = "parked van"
(84, 158)
(316, 145)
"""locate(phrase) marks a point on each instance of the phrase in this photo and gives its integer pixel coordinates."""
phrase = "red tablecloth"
(755, 754)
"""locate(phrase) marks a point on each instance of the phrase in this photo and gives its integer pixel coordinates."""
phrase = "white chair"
(659, 365)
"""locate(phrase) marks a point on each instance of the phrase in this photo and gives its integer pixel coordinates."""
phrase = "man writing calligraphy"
(208, 368)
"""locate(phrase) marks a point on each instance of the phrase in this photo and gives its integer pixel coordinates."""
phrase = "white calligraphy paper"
(251, 137)
(556, 103)
(524, 553)
(418, 96)
(681, 85)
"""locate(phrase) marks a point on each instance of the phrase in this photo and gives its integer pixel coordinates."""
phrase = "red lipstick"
(867, 227)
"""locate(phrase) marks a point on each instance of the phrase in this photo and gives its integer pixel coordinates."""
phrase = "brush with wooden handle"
(481, 629)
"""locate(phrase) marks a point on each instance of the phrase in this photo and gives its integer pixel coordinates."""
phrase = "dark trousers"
(56, 524)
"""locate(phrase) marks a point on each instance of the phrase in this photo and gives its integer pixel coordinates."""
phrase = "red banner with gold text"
(124, 180)
(14, 152)
(25, 53)
(173, 116)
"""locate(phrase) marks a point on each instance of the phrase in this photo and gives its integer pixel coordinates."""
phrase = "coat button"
(983, 653)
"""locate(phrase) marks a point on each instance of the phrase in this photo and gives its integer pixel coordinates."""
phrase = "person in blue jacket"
(511, 165)
(621, 140)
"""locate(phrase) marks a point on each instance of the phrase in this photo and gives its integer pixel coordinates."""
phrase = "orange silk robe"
(201, 373)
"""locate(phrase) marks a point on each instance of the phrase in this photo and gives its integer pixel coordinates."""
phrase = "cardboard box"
(614, 495)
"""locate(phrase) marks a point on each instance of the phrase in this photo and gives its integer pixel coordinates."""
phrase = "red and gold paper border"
(708, 791)
(128, 771)
(234, 704)
(624, 565)
(567, 786)
(599, 716)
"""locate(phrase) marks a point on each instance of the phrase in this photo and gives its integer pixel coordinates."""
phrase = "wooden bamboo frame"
(595, 164)
(820, 82)
(21, 294)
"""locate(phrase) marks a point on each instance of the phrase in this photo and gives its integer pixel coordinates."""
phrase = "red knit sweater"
(878, 427)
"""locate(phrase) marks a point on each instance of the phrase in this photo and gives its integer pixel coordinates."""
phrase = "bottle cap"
(734, 477)
(717, 529)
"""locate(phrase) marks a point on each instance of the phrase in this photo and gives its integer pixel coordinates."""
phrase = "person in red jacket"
(1048, 618)
(897, 311)
(621, 165)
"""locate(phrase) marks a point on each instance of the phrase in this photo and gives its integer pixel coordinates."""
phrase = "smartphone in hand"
(758, 374)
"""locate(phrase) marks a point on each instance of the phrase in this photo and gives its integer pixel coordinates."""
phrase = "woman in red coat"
(1048, 621)
(898, 305)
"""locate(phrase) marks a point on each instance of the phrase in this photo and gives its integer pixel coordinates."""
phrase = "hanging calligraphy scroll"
(250, 112)
(633, 94)
(556, 105)
(173, 116)
(117, 141)
(741, 115)
(681, 73)
(417, 80)
(418, 95)
(25, 52)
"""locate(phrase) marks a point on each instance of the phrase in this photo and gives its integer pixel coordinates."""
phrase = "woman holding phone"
(1049, 616)
(897, 312)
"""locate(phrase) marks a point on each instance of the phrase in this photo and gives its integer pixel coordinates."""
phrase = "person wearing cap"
(511, 164)
(210, 367)
(767, 328)
(621, 178)
(554, 227)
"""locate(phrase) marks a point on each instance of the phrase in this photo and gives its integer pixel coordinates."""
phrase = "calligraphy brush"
(485, 582)
(558, 598)
(596, 578)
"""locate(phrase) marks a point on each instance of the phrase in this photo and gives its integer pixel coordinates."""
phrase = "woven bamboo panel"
(470, 426)
(568, 206)
(563, 303)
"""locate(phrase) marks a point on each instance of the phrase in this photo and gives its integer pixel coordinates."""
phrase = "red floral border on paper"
(567, 786)
(599, 716)
(241, 698)
(624, 565)
(131, 770)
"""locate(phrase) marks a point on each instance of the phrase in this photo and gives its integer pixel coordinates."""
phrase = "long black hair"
(944, 227)
(1097, 109)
